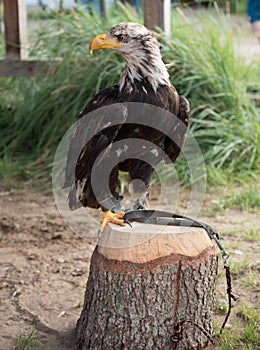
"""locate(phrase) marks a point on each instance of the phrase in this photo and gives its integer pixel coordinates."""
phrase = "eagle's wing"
(169, 100)
(93, 134)
(173, 144)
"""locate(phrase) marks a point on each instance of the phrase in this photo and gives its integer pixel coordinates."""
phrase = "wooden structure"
(103, 8)
(15, 20)
(157, 13)
(142, 281)
(16, 63)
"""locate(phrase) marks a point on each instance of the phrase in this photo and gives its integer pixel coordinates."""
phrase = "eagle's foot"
(115, 218)
(140, 204)
(118, 207)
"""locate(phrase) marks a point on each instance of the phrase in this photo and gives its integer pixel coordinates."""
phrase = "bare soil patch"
(44, 268)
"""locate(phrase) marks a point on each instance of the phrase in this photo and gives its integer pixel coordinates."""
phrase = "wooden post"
(1, 16)
(29, 68)
(60, 6)
(15, 19)
(141, 282)
(103, 8)
(227, 3)
(157, 13)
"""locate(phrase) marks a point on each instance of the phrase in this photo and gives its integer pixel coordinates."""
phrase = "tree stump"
(143, 280)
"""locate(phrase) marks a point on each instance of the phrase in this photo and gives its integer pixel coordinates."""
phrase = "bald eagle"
(145, 80)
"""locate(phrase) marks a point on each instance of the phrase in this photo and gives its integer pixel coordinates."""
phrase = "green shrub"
(37, 111)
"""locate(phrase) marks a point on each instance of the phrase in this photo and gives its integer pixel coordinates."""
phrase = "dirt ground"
(44, 268)
(43, 271)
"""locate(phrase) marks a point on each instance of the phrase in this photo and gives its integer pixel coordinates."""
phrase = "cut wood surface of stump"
(142, 281)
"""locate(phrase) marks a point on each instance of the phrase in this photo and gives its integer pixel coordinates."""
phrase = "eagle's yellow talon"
(115, 218)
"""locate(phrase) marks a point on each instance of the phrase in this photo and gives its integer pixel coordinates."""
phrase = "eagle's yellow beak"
(101, 42)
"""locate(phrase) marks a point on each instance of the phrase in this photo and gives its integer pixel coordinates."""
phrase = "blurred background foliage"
(36, 112)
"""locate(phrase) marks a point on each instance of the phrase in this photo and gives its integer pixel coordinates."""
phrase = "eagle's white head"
(141, 51)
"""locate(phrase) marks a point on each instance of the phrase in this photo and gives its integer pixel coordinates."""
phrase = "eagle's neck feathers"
(146, 65)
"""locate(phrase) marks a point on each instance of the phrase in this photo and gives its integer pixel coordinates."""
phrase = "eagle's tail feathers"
(74, 202)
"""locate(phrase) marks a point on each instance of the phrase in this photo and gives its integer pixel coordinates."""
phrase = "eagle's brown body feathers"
(130, 89)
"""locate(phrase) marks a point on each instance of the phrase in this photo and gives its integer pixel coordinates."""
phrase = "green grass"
(245, 274)
(248, 336)
(236, 6)
(245, 199)
(215, 81)
(252, 235)
(239, 268)
(253, 280)
(36, 112)
(27, 342)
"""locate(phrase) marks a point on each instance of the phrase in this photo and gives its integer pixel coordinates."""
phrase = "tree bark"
(142, 282)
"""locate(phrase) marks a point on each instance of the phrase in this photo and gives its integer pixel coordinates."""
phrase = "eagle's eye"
(120, 37)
